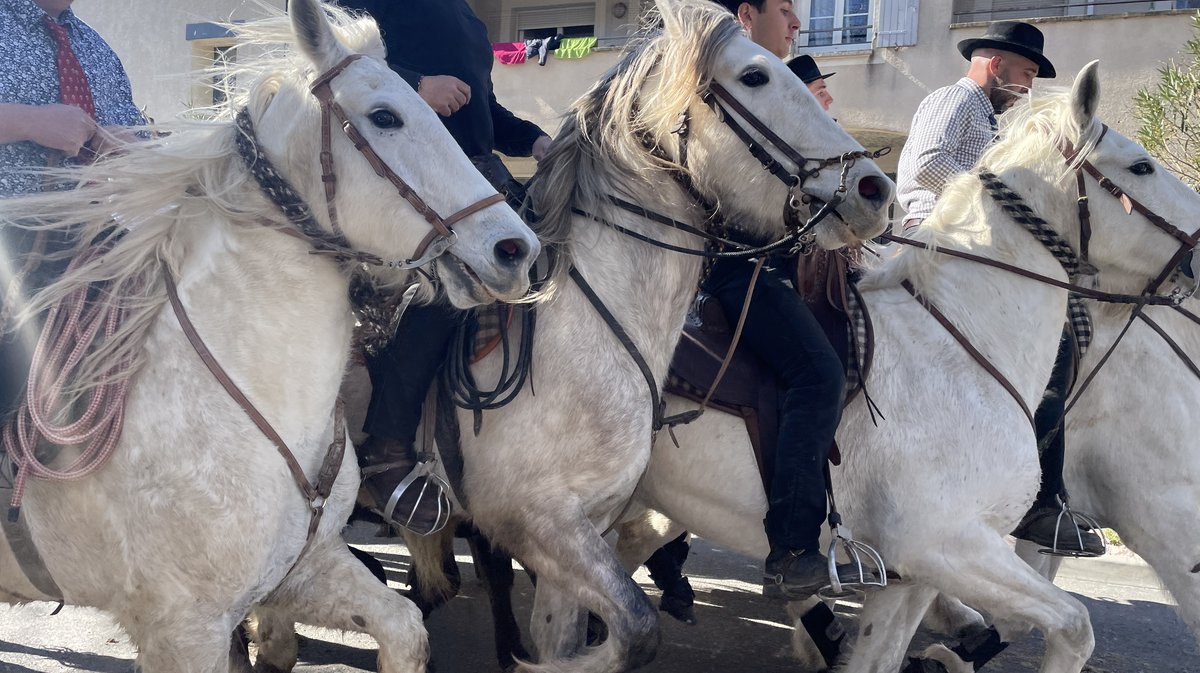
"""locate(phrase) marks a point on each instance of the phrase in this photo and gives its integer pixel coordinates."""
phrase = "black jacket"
(444, 37)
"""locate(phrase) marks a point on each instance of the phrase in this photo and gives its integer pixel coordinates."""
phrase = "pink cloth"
(509, 53)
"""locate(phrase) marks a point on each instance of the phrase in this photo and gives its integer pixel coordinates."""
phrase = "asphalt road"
(1136, 630)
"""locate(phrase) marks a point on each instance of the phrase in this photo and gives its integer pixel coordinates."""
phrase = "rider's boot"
(797, 574)
(1060, 532)
(404, 493)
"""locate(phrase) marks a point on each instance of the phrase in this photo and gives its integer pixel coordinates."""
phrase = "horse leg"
(950, 617)
(817, 635)
(661, 545)
(993, 579)
(571, 557)
(275, 635)
(430, 581)
(185, 644)
(496, 570)
(331, 588)
(889, 620)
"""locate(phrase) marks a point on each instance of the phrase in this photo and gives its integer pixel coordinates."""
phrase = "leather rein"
(799, 234)
(1148, 297)
(440, 238)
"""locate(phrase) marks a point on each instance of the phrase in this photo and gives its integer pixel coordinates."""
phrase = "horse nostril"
(874, 189)
(511, 251)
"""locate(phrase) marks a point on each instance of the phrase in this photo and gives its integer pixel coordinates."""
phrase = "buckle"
(437, 248)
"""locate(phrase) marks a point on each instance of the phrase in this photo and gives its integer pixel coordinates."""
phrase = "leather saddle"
(749, 388)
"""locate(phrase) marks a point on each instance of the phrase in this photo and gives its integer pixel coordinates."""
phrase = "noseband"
(719, 98)
(440, 238)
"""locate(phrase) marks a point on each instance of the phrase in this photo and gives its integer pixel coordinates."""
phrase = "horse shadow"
(67, 658)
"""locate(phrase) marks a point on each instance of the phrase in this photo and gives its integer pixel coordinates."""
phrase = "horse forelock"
(601, 144)
(163, 194)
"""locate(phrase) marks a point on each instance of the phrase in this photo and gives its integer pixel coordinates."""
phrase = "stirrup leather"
(433, 487)
(1080, 522)
(871, 573)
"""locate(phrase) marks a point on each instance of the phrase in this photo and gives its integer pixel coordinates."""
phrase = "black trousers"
(1048, 422)
(402, 372)
(781, 330)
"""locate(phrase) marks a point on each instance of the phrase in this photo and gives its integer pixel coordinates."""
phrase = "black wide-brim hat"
(806, 69)
(1017, 37)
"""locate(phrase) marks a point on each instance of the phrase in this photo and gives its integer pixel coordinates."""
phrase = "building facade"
(888, 54)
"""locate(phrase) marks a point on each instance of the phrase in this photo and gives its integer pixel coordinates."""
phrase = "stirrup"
(1080, 522)
(855, 551)
(434, 487)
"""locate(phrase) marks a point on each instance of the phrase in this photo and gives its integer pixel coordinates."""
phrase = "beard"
(1001, 96)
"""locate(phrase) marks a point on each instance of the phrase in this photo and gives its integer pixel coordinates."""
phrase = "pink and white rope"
(71, 332)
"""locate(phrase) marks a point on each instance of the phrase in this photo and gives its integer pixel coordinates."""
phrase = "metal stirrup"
(443, 501)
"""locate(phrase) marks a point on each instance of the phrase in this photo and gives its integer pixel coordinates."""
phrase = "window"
(568, 21)
(992, 10)
(222, 56)
(834, 23)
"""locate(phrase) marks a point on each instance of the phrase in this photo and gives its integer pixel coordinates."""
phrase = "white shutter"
(896, 25)
(555, 17)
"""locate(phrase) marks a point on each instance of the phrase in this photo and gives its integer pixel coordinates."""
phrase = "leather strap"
(1090, 293)
(322, 90)
(970, 348)
(315, 492)
(1187, 361)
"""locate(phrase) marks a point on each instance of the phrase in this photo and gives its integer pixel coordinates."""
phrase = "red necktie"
(72, 81)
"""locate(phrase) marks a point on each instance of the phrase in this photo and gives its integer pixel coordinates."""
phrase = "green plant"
(1169, 113)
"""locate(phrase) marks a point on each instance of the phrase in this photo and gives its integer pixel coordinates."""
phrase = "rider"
(950, 131)
(442, 50)
(782, 331)
(62, 93)
(805, 67)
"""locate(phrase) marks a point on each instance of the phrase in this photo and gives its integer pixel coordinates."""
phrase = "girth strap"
(970, 348)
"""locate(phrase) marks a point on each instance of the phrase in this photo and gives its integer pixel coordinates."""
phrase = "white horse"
(1129, 456)
(553, 469)
(196, 518)
(936, 485)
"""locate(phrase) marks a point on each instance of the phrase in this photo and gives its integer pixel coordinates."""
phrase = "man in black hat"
(955, 124)
(950, 131)
(806, 69)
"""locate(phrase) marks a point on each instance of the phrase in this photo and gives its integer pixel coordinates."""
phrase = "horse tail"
(432, 584)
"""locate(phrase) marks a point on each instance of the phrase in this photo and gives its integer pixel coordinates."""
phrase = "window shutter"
(555, 17)
(897, 23)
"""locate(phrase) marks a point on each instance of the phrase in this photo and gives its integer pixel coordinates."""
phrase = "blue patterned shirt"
(29, 76)
(950, 131)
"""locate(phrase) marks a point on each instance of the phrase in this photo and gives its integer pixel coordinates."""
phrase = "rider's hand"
(65, 128)
(444, 93)
(540, 146)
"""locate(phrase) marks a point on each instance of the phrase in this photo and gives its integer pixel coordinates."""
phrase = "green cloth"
(575, 47)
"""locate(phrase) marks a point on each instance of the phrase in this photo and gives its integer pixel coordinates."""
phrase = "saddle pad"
(749, 388)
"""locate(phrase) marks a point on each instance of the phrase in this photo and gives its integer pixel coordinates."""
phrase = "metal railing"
(965, 10)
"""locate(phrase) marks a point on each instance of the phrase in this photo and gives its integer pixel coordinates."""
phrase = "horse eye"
(1142, 168)
(385, 119)
(754, 78)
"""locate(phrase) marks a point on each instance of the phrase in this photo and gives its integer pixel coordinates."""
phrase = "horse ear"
(672, 23)
(1085, 94)
(314, 35)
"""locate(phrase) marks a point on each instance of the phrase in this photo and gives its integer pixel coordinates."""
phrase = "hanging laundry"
(541, 46)
(509, 53)
(575, 47)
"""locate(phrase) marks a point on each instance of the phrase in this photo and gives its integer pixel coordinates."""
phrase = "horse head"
(379, 170)
(1120, 210)
(747, 111)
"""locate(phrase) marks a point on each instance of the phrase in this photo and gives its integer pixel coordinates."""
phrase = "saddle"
(749, 388)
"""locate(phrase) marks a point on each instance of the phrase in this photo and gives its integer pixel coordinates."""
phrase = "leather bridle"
(441, 236)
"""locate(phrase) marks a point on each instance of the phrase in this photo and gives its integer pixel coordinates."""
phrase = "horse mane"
(604, 138)
(1030, 135)
(141, 203)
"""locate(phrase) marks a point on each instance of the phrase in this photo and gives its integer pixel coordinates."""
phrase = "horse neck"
(648, 289)
(276, 318)
(1015, 322)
